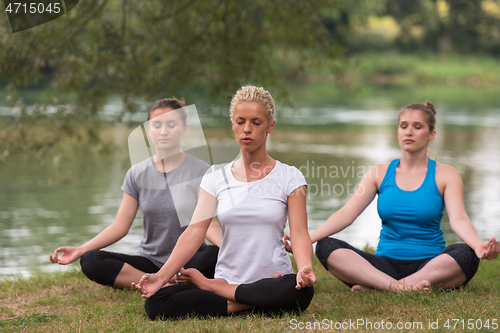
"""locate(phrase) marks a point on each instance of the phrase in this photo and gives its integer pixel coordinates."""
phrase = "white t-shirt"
(252, 217)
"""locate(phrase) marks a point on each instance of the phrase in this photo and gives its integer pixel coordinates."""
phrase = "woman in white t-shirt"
(253, 197)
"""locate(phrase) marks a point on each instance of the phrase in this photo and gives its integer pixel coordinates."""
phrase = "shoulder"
(288, 170)
(285, 167)
(375, 175)
(447, 173)
(196, 161)
(137, 168)
(216, 170)
(214, 178)
(196, 164)
(377, 172)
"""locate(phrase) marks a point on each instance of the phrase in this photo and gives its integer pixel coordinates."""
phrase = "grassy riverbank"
(68, 302)
(400, 69)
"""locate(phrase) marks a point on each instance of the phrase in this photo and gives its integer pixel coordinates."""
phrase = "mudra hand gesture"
(148, 285)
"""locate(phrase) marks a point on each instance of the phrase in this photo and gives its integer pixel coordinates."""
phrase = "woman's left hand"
(305, 278)
(487, 250)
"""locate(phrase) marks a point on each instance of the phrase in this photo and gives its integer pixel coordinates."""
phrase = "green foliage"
(146, 50)
(463, 26)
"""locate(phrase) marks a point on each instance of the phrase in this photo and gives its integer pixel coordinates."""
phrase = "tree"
(145, 50)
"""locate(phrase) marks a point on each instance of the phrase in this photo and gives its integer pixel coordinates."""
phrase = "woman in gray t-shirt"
(165, 187)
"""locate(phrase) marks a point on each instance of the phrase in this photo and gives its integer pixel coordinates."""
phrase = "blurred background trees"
(138, 51)
(462, 26)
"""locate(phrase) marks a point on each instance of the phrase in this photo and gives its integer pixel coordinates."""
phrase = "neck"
(168, 159)
(256, 159)
(414, 160)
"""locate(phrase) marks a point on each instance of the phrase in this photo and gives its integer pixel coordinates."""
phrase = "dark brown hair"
(428, 111)
(170, 103)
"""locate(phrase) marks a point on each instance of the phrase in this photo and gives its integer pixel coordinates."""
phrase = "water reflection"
(333, 147)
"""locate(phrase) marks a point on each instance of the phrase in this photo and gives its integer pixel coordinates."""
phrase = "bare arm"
(345, 216)
(459, 220)
(214, 234)
(186, 246)
(113, 233)
(299, 235)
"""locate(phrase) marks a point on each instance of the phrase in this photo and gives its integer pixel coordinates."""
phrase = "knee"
(151, 307)
(326, 246)
(320, 245)
(298, 300)
(306, 298)
(161, 306)
(88, 262)
(465, 256)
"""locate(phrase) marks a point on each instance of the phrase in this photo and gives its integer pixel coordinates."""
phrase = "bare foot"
(361, 288)
(423, 286)
(276, 275)
(194, 277)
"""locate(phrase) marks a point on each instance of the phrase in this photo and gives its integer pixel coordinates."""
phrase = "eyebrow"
(168, 121)
(406, 122)
(257, 118)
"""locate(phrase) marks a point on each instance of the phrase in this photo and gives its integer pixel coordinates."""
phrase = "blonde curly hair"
(257, 95)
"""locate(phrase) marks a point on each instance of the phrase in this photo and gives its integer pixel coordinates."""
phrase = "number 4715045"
(471, 324)
(33, 8)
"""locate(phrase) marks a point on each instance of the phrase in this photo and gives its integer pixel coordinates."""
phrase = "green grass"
(392, 80)
(68, 302)
(398, 69)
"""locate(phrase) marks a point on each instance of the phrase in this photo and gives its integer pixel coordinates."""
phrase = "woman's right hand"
(69, 254)
(148, 285)
(288, 244)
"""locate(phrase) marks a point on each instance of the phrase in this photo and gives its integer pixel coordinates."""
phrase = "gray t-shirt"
(167, 202)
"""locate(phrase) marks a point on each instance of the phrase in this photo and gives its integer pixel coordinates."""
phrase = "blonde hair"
(256, 95)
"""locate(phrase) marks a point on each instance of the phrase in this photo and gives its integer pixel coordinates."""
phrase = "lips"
(247, 140)
(408, 141)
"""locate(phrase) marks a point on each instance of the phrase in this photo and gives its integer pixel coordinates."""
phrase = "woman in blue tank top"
(412, 193)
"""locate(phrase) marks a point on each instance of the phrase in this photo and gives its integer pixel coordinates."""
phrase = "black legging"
(272, 296)
(464, 256)
(103, 267)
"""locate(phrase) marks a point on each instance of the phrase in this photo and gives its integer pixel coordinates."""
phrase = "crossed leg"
(273, 294)
(353, 269)
(442, 272)
(126, 276)
(217, 286)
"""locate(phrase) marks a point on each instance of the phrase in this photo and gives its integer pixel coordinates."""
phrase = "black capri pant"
(464, 256)
(103, 267)
(271, 296)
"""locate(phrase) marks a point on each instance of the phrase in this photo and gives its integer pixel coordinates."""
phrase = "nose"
(247, 128)
(164, 130)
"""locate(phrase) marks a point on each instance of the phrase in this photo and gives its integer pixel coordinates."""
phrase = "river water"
(74, 193)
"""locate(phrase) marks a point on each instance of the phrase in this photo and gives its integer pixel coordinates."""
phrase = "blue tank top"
(411, 220)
